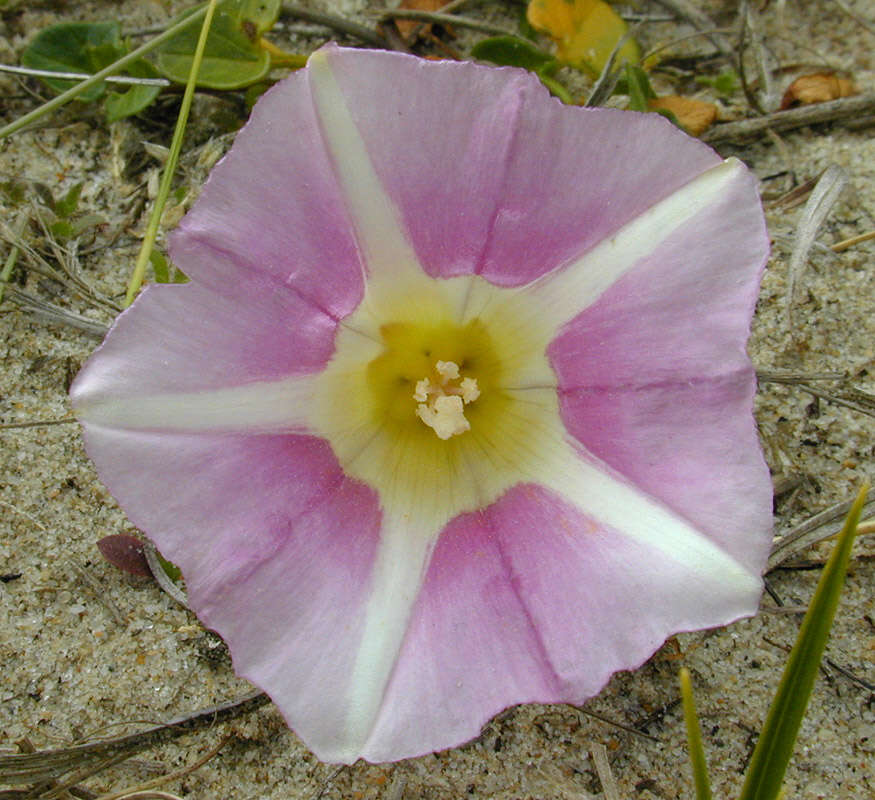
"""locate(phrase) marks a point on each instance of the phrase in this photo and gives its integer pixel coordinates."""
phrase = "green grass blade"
(116, 66)
(778, 736)
(173, 157)
(694, 739)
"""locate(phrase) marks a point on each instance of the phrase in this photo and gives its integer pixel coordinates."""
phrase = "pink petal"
(194, 337)
(654, 378)
(276, 547)
(273, 207)
(485, 184)
(532, 601)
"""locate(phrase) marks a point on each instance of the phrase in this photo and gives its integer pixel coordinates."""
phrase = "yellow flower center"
(439, 395)
(431, 375)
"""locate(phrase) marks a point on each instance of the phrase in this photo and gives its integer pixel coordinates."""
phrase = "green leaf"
(778, 736)
(556, 88)
(725, 84)
(69, 202)
(636, 84)
(160, 266)
(233, 57)
(511, 51)
(61, 230)
(694, 739)
(124, 104)
(162, 269)
(14, 191)
(171, 570)
(75, 47)
(85, 221)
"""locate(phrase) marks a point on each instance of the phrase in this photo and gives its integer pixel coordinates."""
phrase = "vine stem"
(139, 272)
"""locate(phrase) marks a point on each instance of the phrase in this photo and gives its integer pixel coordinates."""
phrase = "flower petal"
(477, 161)
(669, 298)
(193, 358)
(516, 607)
(693, 446)
(277, 547)
(272, 208)
(654, 379)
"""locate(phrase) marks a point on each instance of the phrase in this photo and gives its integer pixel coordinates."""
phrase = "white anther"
(441, 405)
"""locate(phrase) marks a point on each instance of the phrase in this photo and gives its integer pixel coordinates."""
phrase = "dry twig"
(842, 110)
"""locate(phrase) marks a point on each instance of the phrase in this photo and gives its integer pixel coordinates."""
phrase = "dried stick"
(847, 108)
(336, 23)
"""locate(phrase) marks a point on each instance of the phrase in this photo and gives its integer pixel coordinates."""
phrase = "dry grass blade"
(161, 576)
(609, 77)
(46, 765)
(823, 198)
(751, 21)
(839, 247)
(793, 377)
(141, 791)
(603, 768)
(47, 312)
(819, 527)
(701, 22)
(854, 16)
(862, 405)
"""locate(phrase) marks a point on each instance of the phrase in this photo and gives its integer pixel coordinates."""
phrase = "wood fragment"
(845, 109)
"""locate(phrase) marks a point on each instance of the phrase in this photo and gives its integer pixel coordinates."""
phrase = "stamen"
(441, 402)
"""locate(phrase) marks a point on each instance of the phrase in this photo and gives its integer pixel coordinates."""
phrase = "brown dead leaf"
(407, 27)
(696, 116)
(817, 88)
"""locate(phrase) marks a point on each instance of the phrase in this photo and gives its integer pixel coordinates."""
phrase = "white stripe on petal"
(388, 254)
(601, 495)
(262, 407)
(562, 294)
(410, 526)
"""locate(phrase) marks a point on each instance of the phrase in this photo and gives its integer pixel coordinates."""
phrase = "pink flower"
(455, 412)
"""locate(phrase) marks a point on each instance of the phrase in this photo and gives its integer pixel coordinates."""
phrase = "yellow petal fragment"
(585, 32)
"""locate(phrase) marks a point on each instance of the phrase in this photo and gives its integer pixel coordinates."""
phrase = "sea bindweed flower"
(455, 412)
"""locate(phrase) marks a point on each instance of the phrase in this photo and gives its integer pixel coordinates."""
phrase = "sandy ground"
(84, 646)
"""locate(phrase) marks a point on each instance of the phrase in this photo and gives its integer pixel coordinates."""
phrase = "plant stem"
(172, 158)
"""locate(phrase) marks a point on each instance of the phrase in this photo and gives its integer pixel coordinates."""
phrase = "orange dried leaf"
(696, 116)
(407, 27)
(585, 32)
(817, 88)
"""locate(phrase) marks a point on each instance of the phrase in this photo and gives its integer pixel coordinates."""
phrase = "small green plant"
(235, 54)
(773, 751)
